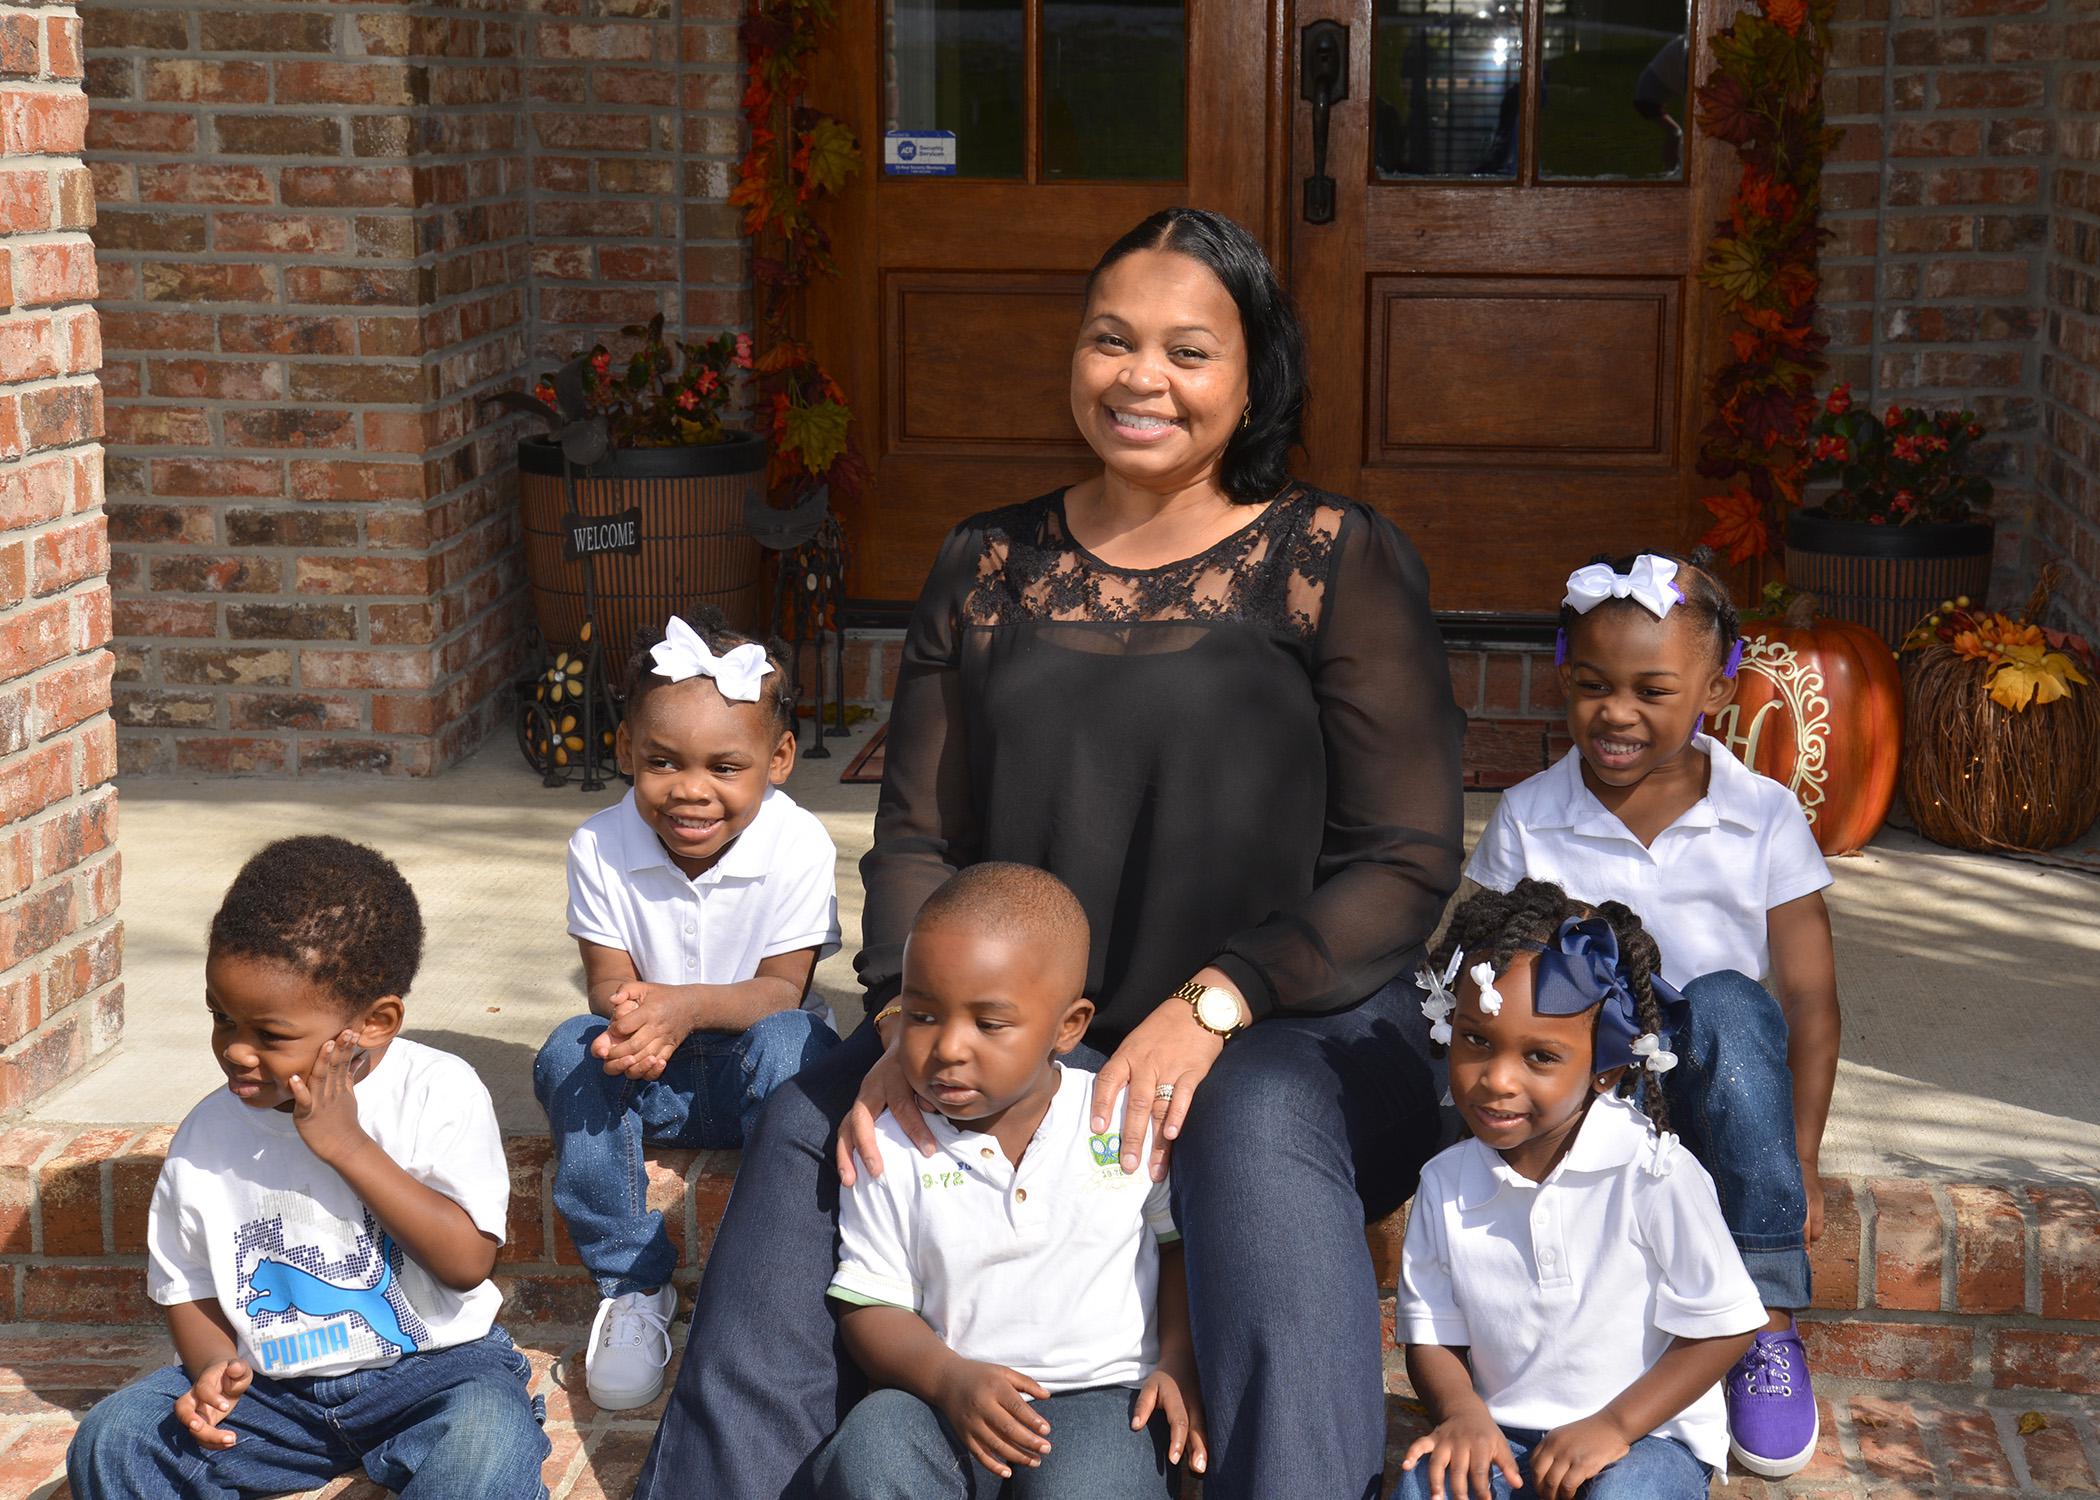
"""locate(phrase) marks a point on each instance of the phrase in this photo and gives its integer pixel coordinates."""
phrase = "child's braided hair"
(1704, 596)
(713, 627)
(1498, 925)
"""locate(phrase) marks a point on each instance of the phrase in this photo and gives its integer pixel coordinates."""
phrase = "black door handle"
(1323, 79)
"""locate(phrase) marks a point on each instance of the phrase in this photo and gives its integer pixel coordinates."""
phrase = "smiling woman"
(1211, 700)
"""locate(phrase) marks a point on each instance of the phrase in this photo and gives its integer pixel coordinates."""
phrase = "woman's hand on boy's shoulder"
(324, 1103)
(210, 1400)
(1567, 1458)
(1171, 1391)
(1460, 1451)
(987, 1405)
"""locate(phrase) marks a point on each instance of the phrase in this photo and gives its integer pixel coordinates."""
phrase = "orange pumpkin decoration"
(1818, 707)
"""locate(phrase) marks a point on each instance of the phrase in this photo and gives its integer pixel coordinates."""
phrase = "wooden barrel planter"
(694, 547)
(1885, 577)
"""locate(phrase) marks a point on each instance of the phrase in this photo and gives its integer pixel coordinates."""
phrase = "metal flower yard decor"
(2002, 729)
(1765, 98)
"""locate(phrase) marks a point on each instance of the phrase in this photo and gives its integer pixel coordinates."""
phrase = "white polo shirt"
(1702, 889)
(1051, 1268)
(1566, 1291)
(772, 891)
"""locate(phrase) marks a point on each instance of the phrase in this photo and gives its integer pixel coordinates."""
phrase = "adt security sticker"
(919, 153)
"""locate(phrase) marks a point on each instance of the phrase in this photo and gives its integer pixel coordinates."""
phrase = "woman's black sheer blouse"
(1249, 758)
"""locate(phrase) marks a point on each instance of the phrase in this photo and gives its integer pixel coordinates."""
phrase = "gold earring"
(1246, 415)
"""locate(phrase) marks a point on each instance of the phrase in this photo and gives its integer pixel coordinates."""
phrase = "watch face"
(1218, 1010)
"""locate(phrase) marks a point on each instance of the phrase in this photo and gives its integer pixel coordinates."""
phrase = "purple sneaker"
(1772, 1421)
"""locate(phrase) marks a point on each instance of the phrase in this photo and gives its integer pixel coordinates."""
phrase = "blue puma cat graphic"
(284, 1288)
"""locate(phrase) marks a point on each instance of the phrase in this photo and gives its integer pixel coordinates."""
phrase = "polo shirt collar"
(1611, 1135)
(749, 857)
(1569, 803)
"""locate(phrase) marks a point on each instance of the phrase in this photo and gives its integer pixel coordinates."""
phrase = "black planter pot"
(1885, 577)
(695, 545)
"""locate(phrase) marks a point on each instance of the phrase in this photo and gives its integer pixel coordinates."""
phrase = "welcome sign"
(584, 536)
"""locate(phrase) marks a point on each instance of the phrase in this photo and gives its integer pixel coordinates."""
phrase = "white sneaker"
(630, 1345)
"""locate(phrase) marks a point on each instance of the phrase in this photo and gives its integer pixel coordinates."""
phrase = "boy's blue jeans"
(438, 1426)
(1731, 1099)
(1655, 1468)
(893, 1446)
(709, 1095)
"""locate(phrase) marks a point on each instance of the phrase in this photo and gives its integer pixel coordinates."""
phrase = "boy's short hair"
(1012, 898)
(339, 913)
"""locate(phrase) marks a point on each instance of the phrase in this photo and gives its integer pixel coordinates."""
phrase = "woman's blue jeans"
(438, 1426)
(1655, 1468)
(894, 1446)
(709, 1096)
(1731, 1100)
(1308, 1128)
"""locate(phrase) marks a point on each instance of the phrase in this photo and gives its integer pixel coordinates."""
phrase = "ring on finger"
(1164, 1092)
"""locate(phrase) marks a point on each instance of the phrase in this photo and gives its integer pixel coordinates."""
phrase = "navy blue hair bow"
(1580, 969)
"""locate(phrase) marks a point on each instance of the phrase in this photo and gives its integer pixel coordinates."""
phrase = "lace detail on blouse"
(1272, 573)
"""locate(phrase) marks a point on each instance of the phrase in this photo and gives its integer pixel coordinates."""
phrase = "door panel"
(952, 323)
(1504, 323)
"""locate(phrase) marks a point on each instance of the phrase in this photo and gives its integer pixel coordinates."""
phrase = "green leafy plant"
(1906, 467)
(660, 397)
(1765, 98)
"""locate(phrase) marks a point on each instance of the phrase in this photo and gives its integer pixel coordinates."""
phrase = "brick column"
(2067, 513)
(1938, 213)
(312, 254)
(60, 941)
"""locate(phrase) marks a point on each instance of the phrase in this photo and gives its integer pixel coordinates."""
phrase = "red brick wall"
(311, 247)
(1938, 210)
(634, 139)
(2067, 515)
(60, 942)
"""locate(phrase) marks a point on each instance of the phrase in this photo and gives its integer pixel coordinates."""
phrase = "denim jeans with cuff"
(709, 1095)
(1731, 1099)
(1655, 1468)
(893, 1446)
(439, 1425)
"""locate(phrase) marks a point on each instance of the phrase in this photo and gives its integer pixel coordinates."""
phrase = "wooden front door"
(1505, 328)
(952, 324)
(1503, 323)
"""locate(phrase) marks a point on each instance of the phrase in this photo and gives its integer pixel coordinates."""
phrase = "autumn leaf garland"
(797, 155)
(1765, 98)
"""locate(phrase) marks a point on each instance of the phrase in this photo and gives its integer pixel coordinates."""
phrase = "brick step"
(1943, 1312)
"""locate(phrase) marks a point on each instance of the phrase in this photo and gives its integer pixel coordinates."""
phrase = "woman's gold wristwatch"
(1216, 1010)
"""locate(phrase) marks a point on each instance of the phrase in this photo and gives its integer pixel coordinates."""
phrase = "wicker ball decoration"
(1980, 776)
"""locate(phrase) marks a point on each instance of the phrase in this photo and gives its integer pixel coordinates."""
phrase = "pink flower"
(1904, 502)
(1831, 450)
(601, 361)
(1907, 449)
(687, 401)
(1893, 417)
(1840, 400)
(743, 351)
(706, 382)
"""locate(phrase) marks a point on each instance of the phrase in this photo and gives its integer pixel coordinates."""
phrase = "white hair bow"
(1483, 976)
(1660, 1058)
(1648, 583)
(737, 672)
(1436, 1010)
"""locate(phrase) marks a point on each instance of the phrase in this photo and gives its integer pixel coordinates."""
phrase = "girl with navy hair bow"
(1569, 1293)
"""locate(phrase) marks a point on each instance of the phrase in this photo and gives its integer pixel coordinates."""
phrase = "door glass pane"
(1611, 103)
(1114, 90)
(1447, 87)
(959, 65)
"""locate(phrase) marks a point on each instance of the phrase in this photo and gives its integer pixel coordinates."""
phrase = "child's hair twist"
(713, 627)
(1498, 925)
(1704, 595)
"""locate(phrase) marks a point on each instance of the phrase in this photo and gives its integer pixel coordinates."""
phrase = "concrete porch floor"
(1972, 1016)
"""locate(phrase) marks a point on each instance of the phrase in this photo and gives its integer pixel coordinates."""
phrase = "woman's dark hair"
(1256, 464)
(338, 913)
(712, 627)
(1704, 596)
(1498, 925)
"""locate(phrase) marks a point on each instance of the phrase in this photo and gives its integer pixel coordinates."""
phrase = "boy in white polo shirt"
(701, 903)
(1017, 1298)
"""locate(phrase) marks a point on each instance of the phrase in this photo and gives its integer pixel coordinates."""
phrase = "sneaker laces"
(632, 1322)
(1767, 1371)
